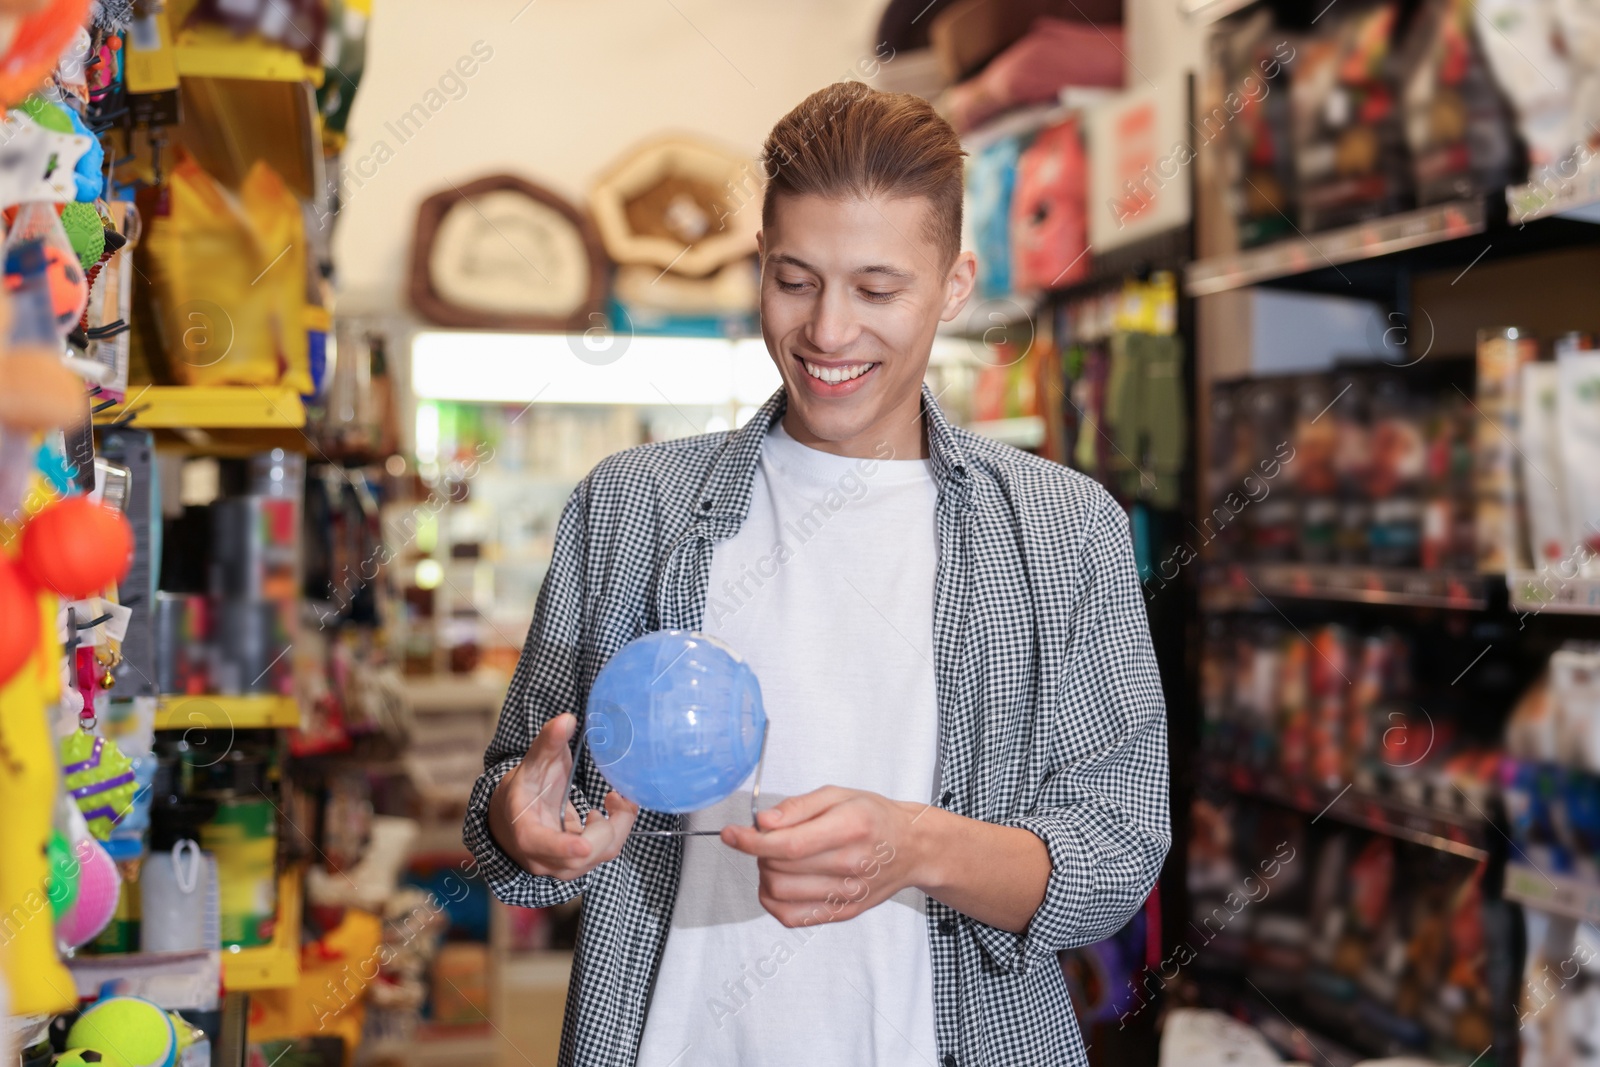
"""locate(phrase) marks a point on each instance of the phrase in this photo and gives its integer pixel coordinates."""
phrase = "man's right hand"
(535, 824)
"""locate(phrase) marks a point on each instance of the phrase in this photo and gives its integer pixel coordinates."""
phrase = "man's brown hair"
(852, 140)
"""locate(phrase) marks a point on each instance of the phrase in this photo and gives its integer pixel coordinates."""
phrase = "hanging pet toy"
(99, 779)
(99, 776)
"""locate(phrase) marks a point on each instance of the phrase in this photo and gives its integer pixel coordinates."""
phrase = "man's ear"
(761, 246)
(959, 283)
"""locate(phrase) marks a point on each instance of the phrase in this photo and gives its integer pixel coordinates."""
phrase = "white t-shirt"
(827, 590)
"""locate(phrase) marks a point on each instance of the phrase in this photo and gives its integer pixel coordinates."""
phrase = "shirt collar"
(725, 498)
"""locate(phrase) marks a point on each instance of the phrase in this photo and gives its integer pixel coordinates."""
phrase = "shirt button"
(705, 505)
(944, 801)
(947, 926)
(949, 1059)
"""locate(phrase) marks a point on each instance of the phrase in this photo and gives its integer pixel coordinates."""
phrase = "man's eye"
(790, 287)
(878, 296)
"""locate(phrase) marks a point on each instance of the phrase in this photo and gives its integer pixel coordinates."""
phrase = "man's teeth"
(838, 374)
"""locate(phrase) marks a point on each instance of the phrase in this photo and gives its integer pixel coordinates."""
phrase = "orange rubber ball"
(76, 547)
(19, 620)
(69, 287)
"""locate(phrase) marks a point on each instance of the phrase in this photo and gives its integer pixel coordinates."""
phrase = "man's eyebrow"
(793, 261)
(872, 268)
(887, 271)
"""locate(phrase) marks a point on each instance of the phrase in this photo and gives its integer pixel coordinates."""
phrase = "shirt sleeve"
(1102, 808)
(544, 685)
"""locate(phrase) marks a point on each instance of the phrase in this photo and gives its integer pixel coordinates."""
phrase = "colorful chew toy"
(99, 779)
(29, 788)
(85, 230)
(86, 173)
(69, 288)
(87, 179)
(99, 884)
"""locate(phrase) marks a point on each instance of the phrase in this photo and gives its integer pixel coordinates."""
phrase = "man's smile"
(835, 379)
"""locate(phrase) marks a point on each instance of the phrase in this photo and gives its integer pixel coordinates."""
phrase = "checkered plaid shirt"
(1051, 717)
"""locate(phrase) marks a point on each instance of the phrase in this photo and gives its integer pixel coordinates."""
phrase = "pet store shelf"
(1332, 248)
(206, 52)
(177, 980)
(210, 407)
(1236, 585)
(1540, 591)
(1202, 12)
(1555, 195)
(1450, 832)
(1558, 894)
(275, 965)
(263, 711)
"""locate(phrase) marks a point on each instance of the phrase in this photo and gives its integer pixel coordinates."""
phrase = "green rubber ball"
(63, 885)
(85, 230)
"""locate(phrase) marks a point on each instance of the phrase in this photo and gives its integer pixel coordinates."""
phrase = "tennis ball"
(87, 1057)
(129, 1028)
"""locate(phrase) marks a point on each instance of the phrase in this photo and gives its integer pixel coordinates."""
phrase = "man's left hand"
(831, 854)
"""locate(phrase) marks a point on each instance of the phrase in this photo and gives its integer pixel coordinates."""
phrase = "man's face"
(851, 293)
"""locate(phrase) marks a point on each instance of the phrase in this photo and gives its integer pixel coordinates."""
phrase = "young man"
(967, 746)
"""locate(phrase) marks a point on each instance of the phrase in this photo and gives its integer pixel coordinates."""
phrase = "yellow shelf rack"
(212, 52)
(275, 965)
(207, 407)
(256, 711)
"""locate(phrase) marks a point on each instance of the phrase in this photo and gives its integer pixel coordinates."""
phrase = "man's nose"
(833, 324)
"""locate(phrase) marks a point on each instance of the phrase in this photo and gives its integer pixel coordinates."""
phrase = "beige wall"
(1161, 43)
(566, 87)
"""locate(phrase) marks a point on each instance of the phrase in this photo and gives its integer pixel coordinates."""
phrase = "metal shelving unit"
(210, 407)
(1336, 248)
(1559, 894)
(1236, 585)
(275, 965)
(218, 420)
(1400, 262)
(203, 52)
(215, 712)
(1548, 591)
(1556, 194)
(1464, 834)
